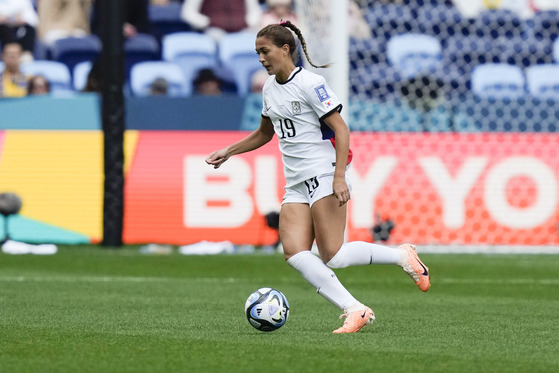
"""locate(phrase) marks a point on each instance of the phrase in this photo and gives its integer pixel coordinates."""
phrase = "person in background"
(63, 18)
(13, 83)
(159, 87)
(207, 83)
(18, 22)
(358, 27)
(300, 108)
(257, 81)
(218, 17)
(94, 82)
(278, 10)
(38, 85)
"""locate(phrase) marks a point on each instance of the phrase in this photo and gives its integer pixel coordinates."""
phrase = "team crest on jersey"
(296, 107)
(322, 93)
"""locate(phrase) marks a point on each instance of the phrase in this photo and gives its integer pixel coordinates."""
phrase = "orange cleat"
(356, 320)
(414, 267)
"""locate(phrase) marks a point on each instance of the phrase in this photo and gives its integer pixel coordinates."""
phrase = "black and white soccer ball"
(267, 309)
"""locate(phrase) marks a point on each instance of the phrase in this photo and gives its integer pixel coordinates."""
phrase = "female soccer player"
(299, 107)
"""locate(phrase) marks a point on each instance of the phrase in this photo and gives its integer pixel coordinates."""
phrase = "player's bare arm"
(261, 136)
(341, 134)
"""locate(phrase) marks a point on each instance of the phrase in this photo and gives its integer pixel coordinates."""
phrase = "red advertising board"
(437, 188)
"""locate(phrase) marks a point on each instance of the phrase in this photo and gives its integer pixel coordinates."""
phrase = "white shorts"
(311, 190)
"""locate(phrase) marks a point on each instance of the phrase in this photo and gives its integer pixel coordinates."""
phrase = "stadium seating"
(464, 52)
(442, 21)
(498, 81)
(380, 81)
(80, 73)
(192, 51)
(71, 51)
(56, 73)
(545, 24)
(496, 23)
(144, 73)
(165, 19)
(556, 50)
(238, 57)
(140, 48)
(543, 80)
(366, 51)
(414, 54)
(526, 51)
(387, 20)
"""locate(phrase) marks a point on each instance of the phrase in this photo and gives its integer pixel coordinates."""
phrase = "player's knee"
(337, 261)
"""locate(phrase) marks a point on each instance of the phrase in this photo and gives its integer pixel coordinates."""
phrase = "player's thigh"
(295, 228)
(329, 225)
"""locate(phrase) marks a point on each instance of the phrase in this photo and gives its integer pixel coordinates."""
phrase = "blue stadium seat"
(71, 51)
(442, 21)
(387, 20)
(526, 51)
(464, 52)
(140, 48)
(238, 57)
(165, 19)
(366, 51)
(498, 81)
(545, 24)
(56, 73)
(496, 23)
(80, 74)
(144, 73)
(414, 54)
(555, 51)
(543, 80)
(379, 81)
(192, 51)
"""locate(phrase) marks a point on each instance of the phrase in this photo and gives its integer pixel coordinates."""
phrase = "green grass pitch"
(91, 309)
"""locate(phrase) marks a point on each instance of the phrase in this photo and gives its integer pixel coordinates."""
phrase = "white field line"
(487, 249)
(495, 281)
(113, 279)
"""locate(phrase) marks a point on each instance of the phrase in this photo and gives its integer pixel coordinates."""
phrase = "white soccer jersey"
(296, 108)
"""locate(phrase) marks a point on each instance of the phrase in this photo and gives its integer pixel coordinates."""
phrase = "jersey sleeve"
(321, 98)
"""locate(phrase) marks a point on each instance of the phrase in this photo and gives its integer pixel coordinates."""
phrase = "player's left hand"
(341, 190)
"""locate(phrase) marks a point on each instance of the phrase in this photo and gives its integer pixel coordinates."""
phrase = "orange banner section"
(436, 188)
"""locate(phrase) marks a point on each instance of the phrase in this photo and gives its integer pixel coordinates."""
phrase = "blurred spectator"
(257, 81)
(277, 11)
(207, 83)
(218, 17)
(164, 2)
(63, 18)
(159, 87)
(358, 27)
(38, 85)
(524, 8)
(94, 82)
(542, 5)
(18, 21)
(136, 18)
(13, 83)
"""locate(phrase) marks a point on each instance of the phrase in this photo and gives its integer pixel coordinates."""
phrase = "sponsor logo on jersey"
(322, 93)
(296, 107)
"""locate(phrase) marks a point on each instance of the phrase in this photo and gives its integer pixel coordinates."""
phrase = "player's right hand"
(217, 158)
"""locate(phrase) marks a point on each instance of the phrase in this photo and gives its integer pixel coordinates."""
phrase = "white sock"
(364, 253)
(322, 278)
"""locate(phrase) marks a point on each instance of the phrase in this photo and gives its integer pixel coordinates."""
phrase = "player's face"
(271, 56)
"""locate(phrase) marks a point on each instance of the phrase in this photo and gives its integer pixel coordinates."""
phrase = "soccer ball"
(267, 309)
